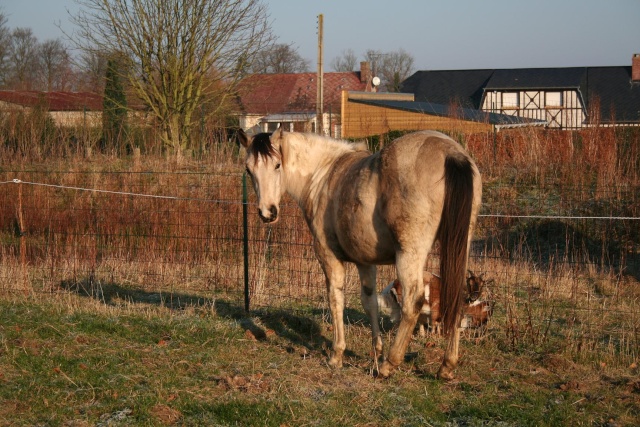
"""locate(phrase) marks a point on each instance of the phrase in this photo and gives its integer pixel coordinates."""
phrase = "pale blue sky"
(440, 34)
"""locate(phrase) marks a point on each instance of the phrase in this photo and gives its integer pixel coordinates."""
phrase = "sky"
(439, 34)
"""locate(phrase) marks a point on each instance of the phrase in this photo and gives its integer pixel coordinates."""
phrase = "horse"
(371, 209)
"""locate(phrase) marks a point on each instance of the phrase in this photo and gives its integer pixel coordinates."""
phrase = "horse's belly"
(353, 212)
(365, 241)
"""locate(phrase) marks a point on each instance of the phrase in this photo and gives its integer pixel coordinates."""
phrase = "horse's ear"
(243, 139)
(277, 136)
(278, 133)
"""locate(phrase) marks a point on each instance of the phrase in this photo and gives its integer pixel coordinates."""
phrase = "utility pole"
(319, 95)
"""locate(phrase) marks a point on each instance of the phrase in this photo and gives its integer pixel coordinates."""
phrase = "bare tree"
(374, 57)
(392, 67)
(347, 61)
(280, 58)
(176, 50)
(92, 67)
(396, 67)
(22, 59)
(54, 66)
(26, 64)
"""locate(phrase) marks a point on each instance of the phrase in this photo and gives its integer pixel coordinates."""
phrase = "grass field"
(71, 360)
(121, 310)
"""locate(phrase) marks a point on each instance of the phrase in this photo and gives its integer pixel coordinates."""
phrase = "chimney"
(365, 71)
(635, 68)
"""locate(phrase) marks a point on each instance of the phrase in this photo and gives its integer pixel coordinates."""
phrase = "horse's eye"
(277, 166)
(248, 171)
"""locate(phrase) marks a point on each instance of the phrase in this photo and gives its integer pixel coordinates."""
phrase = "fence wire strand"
(155, 196)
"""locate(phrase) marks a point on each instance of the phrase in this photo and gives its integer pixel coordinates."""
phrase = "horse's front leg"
(369, 301)
(335, 273)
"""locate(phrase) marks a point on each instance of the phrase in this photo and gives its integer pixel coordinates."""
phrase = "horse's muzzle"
(271, 217)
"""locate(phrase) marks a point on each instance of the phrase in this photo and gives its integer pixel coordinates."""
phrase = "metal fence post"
(245, 241)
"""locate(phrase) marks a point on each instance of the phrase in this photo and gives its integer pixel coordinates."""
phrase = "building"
(564, 98)
(365, 114)
(266, 100)
(65, 108)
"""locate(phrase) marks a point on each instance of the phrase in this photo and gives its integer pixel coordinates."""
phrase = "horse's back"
(412, 170)
(391, 199)
(420, 153)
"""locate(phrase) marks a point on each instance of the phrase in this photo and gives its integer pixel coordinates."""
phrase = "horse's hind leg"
(450, 360)
(370, 303)
(409, 267)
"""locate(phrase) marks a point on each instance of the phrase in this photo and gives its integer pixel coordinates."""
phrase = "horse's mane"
(340, 144)
(261, 146)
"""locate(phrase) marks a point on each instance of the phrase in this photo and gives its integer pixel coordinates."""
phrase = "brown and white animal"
(388, 207)
(476, 311)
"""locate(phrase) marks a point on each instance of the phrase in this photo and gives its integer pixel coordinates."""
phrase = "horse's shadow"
(302, 332)
(109, 293)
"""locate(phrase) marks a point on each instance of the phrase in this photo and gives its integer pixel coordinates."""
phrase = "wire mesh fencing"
(563, 263)
(118, 234)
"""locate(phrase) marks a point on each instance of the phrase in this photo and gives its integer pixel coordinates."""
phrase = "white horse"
(373, 209)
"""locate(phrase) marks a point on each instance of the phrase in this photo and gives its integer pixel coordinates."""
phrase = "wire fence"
(564, 262)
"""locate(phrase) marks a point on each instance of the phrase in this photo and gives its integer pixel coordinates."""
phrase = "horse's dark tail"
(453, 234)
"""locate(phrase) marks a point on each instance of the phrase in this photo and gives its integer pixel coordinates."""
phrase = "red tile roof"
(287, 93)
(54, 101)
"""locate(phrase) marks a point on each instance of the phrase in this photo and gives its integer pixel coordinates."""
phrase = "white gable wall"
(559, 108)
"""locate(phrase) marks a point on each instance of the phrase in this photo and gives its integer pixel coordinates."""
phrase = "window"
(510, 99)
(273, 126)
(553, 99)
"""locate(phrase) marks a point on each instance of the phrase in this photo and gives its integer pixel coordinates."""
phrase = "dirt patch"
(165, 415)
(557, 363)
(256, 383)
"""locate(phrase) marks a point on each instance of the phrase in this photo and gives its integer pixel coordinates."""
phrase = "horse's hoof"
(445, 374)
(386, 369)
(335, 362)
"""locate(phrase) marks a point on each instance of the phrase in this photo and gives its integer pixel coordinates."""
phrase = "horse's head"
(263, 164)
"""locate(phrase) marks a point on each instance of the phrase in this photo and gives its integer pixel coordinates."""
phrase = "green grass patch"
(72, 360)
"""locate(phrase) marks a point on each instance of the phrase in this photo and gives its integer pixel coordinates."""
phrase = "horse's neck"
(308, 164)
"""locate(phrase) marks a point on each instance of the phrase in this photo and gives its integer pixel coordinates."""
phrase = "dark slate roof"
(618, 96)
(467, 114)
(539, 78)
(464, 87)
(612, 88)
